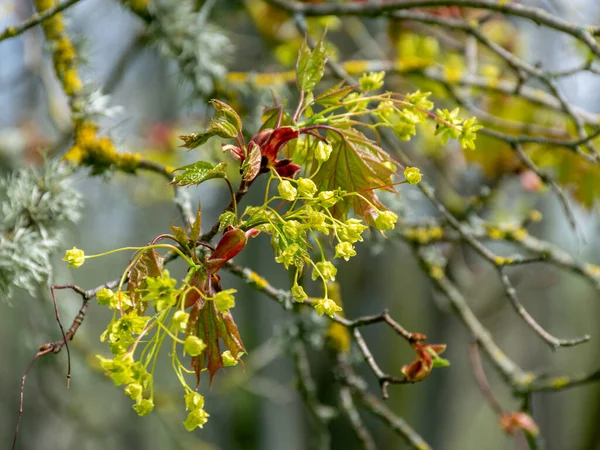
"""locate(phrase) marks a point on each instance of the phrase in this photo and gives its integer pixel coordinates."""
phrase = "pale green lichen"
(36, 208)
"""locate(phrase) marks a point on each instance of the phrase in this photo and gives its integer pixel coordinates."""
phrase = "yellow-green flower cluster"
(453, 127)
(161, 292)
(129, 324)
(122, 370)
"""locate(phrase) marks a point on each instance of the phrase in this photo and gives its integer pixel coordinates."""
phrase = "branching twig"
(377, 408)
(362, 433)
(35, 19)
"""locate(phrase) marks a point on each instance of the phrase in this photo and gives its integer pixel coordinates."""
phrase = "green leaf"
(356, 164)
(310, 66)
(334, 95)
(199, 172)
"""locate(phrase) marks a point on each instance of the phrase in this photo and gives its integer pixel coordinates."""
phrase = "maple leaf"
(356, 164)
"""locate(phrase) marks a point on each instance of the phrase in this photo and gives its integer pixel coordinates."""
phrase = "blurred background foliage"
(147, 71)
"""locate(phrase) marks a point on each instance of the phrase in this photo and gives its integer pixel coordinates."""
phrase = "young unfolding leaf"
(210, 326)
(199, 172)
(221, 127)
(180, 236)
(230, 245)
(197, 225)
(228, 113)
(225, 124)
(310, 66)
(193, 140)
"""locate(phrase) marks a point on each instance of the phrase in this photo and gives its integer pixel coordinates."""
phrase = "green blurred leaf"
(310, 66)
(334, 94)
(199, 172)
(193, 140)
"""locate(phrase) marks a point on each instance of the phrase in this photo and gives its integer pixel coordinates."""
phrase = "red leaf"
(287, 169)
(230, 245)
(271, 141)
(193, 295)
(211, 339)
(236, 152)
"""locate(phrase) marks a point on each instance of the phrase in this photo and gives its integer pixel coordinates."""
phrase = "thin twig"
(35, 19)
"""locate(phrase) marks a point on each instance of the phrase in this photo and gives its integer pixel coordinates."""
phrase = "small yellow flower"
(386, 220)
(413, 175)
(323, 151)
(326, 270)
(104, 295)
(193, 345)
(327, 306)
(298, 293)
(196, 418)
(75, 257)
(144, 407)
(228, 359)
(287, 191)
(225, 300)
(372, 81)
(306, 187)
(180, 320)
(344, 250)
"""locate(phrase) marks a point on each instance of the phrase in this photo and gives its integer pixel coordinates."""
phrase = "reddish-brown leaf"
(230, 245)
(197, 284)
(511, 422)
(211, 339)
